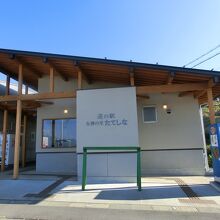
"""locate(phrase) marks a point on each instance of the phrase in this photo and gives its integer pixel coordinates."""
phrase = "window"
(59, 133)
(149, 114)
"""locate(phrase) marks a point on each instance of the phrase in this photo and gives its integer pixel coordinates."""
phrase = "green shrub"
(209, 154)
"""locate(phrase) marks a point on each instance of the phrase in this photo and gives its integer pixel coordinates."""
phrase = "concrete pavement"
(43, 212)
(182, 197)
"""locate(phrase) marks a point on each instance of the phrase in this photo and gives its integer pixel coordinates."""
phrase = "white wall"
(66, 158)
(54, 160)
(175, 133)
(171, 136)
(56, 110)
(181, 128)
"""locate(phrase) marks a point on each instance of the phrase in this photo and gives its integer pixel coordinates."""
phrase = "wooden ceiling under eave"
(28, 107)
(37, 64)
(216, 93)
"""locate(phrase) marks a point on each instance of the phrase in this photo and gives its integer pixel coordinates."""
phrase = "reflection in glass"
(59, 133)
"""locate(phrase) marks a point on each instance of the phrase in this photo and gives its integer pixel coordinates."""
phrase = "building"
(28, 131)
(87, 101)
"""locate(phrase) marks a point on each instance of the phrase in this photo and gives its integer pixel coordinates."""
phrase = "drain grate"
(192, 196)
(186, 189)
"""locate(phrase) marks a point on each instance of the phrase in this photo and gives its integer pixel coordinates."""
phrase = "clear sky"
(170, 32)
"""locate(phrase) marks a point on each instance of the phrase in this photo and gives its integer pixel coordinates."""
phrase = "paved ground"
(37, 212)
(46, 197)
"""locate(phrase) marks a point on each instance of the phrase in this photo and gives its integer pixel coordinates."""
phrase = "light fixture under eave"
(164, 106)
(65, 111)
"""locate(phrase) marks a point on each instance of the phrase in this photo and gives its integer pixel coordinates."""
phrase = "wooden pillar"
(132, 79)
(26, 90)
(5, 122)
(211, 106)
(79, 80)
(24, 141)
(51, 79)
(18, 125)
(17, 140)
(20, 79)
(7, 88)
(131, 74)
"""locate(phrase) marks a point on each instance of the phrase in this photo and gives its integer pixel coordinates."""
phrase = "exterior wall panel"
(177, 137)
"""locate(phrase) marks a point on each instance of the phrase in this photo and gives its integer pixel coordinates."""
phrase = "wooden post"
(24, 141)
(26, 90)
(211, 106)
(17, 140)
(18, 125)
(79, 79)
(20, 79)
(51, 79)
(5, 122)
(132, 79)
(7, 88)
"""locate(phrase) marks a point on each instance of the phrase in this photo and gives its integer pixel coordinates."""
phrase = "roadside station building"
(84, 101)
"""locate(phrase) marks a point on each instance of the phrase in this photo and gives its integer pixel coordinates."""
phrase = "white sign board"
(107, 117)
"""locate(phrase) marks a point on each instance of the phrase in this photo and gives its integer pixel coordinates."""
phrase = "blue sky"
(170, 32)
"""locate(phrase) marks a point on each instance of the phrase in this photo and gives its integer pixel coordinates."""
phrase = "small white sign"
(214, 140)
(45, 142)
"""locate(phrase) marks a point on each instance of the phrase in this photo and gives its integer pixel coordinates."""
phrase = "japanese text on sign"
(107, 119)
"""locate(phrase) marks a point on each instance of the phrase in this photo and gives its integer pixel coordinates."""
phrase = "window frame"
(42, 127)
(148, 106)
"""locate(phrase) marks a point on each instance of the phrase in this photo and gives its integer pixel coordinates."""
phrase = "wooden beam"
(51, 79)
(51, 65)
(8, 98)
(170, 78)
(211, 83)
(17, 140)
(211, 106)
(143, 96)
(187, 93)
(32, 105)
(24, 141)
(26, 65)
(26, 105)
(4, 139)
(45, 102)
(84, 75)
(199, 93)
(39, 96)
(79, 80)
(131, 73)
(42, 96)
(141, 90)
(14, 75)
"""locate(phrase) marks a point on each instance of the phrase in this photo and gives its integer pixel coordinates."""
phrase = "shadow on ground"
(156, 192)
